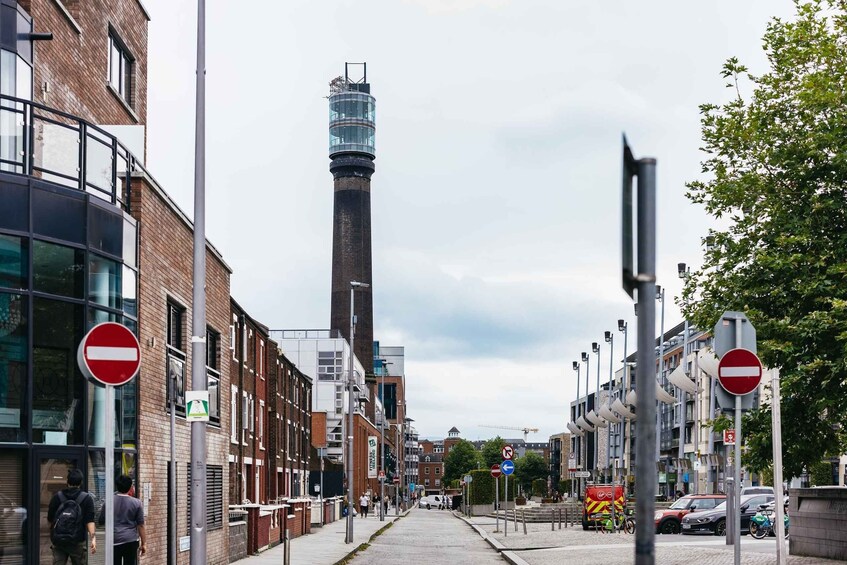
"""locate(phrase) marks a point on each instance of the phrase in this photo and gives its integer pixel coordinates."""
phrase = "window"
(438, 482)
(438, 470)
(426, 482)
(251, 404)
(213, 376)
(426, 470)
(175, 362)
(121, 65)
(262, 358)
(176, 314)
(214, 497)
(233, 334)
(261, 424)
(233, 411)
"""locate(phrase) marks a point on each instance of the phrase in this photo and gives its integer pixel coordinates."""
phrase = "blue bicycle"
(762, 524)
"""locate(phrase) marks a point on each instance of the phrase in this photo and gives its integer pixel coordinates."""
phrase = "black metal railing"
(42, 142)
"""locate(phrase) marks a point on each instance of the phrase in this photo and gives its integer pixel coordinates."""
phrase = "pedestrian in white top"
(363, 504)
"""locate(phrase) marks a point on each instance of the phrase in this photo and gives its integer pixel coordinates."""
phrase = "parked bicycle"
(762, 523)
(623, 522)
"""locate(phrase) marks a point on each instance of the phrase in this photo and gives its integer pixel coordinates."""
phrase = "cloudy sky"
(495, 204)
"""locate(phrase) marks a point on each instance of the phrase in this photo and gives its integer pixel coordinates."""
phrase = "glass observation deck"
(352, 123)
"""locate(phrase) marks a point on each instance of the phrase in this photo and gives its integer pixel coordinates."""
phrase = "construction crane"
(525, 431)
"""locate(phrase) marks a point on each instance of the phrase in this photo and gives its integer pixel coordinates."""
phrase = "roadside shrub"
(482, 487)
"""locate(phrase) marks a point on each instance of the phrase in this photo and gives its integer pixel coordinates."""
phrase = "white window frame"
(262, 425)
(233, 409)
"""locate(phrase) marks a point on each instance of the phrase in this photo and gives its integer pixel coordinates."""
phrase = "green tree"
(776, 171)
(492, 452)
(461, 459)
(529, 468)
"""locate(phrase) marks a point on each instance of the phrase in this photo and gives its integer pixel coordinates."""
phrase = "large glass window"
(13, 364)
(129, 292)
(120, 67)
(104, 282)
(13, 262)
(58, 269)
(57, 385)
(58, 215)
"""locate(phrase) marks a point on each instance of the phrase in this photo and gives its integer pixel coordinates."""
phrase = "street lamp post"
(660, 296)
(351, 384)
(682, 394)
(623, 328)
(587, 361)
(382, 440)
(610, 339)
(577, 444)
(595, 347)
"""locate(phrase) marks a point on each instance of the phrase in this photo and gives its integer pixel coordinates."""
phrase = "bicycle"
(762, 524)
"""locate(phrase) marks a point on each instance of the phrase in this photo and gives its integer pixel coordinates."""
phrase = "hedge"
(539, 487)
(482, 487)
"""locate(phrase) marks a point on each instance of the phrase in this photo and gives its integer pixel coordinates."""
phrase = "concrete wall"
(818, 522)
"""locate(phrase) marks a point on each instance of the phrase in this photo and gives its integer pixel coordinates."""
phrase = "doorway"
(51, 475)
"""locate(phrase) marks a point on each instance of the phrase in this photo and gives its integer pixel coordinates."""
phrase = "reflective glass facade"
(352, 123)
(68, 261)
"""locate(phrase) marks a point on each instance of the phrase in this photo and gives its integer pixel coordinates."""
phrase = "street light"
(577, 443)
(623, 327)
(382, 440)
(587, 361)
(595, 348)
(351, 383)
(660, 296)
(610, 339)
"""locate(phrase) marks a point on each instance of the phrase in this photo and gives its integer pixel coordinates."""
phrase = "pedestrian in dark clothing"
(71, 517)
(129, 524)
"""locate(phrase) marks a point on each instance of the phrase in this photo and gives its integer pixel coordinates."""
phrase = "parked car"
(756, 490)
(431, 501)
(714, 521)
(669, 520)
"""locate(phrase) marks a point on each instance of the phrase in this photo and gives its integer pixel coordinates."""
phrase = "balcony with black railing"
(42, 142)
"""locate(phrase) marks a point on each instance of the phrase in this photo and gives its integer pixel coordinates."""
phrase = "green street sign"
(197, 406)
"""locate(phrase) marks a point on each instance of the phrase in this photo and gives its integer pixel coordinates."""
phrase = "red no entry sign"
(507, 452)
(109, 354)
(739, 371)
(495, 471)
(396, 480)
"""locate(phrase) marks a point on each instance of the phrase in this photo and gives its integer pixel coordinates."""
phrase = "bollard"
(523, 516)
(560, 518)
(552, 522)
(567, 517)
(516, 518)
(286, 551)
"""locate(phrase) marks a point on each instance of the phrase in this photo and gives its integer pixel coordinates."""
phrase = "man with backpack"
(71, 518)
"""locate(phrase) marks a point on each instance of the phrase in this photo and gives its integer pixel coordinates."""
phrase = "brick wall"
(166, 273)
(74, 64)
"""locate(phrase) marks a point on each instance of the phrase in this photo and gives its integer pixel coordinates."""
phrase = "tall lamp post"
(610, 339)
(623, 328)
(577, 444)
(595, 348)
(382, 440)
(587, 360)
(351, 385)
(660, 296)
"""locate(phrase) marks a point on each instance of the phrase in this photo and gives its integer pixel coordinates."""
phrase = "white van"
(431, 501)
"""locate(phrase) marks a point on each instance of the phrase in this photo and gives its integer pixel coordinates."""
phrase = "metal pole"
(350, 406)
(505, 512)
(682, 408)
(609, 402)
(497, 504)
(645, 428)
(577, 439)
(173, 495)
(587, 359)
(109, 468)
(322, 490)
(660, 381)
(597, 411)
(382, 438)
(713, 469)
(401, 486)
(776, 417)
(624, 422)
(697, 400)
(737, 481)
(198, 311)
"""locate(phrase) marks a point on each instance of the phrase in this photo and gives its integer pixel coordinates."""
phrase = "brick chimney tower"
(351, 150)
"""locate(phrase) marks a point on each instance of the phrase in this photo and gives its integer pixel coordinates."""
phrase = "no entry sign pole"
(109, 355)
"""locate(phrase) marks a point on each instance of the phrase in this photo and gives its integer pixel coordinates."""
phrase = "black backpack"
(67, 524)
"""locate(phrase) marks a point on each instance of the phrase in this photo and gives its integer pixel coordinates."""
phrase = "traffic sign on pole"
(729, 437)
(739, 371)
(397, 480)
(109, 354)
(495, 471)
(507, 467)
(468, 479)
(508, 452)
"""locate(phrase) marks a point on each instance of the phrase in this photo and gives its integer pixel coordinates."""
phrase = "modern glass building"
(68, 260)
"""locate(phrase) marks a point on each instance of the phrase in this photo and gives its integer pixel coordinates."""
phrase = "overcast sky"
(496, 198)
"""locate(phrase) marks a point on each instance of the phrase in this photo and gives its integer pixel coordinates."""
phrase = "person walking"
(363, 504)
(71, 517)
(129, 524)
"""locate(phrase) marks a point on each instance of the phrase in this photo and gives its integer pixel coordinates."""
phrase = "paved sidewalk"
(324, 546)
